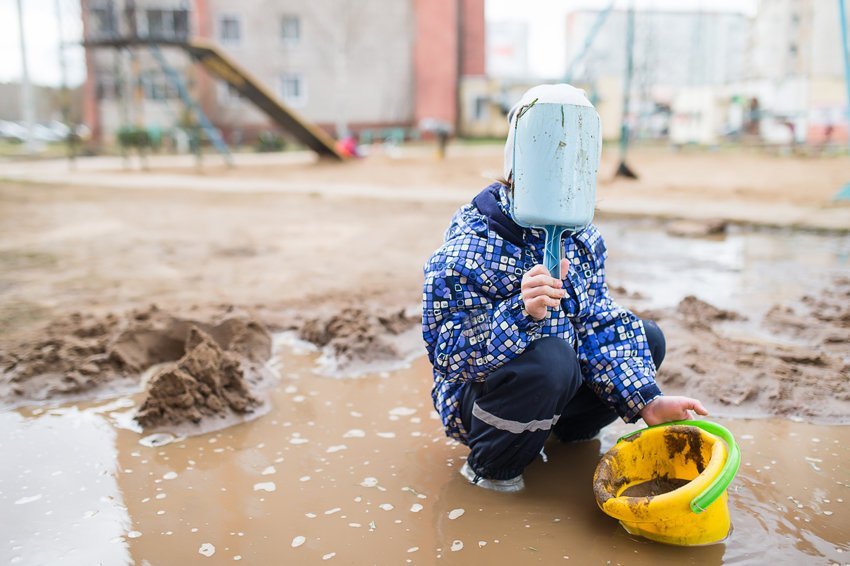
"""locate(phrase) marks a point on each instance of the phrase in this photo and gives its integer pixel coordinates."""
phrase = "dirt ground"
(765, 334)
(293, 259)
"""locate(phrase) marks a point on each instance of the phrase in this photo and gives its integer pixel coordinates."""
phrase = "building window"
(103, 21)
(229, 30)
(290, 30)
(293, 89)
(480, 111)
(156, 87)
(168, 24)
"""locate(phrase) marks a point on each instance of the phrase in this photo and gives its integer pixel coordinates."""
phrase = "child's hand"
(665, 409)
(540, 290)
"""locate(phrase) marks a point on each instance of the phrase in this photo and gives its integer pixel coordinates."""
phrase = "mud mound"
(696, 228)
(83, 355)
(359, 334)
(823, 319)
(696, 311)
(803, 374)
(206, 381)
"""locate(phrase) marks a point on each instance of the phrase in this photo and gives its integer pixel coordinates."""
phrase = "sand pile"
(207, 381)
(802, 374)
(87, 356)
(357, 335)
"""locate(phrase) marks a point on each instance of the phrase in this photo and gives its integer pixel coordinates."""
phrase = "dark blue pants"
(510, 414)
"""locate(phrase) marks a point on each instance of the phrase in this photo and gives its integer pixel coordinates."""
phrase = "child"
(518, 354)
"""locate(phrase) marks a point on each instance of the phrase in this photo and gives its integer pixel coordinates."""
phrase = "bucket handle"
(733, 460)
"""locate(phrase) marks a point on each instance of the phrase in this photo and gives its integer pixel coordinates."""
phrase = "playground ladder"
(212, 133)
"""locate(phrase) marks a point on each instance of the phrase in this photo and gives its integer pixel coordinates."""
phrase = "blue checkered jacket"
(474, 321)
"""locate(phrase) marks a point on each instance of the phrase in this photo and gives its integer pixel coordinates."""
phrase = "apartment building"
(344, 65)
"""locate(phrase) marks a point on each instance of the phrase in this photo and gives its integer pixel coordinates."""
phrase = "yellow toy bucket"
(668, 482)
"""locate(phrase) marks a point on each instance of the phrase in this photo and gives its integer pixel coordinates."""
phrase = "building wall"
(474, 30)
(436, 60)
(797, 72)
(353, 61)
(826, 59)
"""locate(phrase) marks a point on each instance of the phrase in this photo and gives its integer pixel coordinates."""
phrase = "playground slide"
(223, 67)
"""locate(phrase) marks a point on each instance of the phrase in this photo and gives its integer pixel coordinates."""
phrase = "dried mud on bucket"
(654, 487)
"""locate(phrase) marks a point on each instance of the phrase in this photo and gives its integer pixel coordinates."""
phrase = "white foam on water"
(386, 506)
(369, 482)
(169, 475)
(268, 471)
(402, 411)
(159, 439)
(329, 555)
(134, 534)
(332, 511)
(304, 478)
(416, 508)
(457, 545)
(336, 448)
(455, 513)
(206, 549)
(299, 441)
(354, 433)
(386, 434)
(265, 486)
(29, 499)
(412, 549)
(298, 541)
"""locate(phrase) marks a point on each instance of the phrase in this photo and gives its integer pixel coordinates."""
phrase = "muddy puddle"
(746, 270)
(359, 471)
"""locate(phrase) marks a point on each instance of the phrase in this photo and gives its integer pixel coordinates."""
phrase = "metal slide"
(226, 69)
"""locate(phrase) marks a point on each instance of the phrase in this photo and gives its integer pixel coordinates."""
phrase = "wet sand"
(361, 470)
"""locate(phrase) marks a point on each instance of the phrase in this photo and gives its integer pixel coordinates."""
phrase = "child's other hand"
(540, 290)
(665, 409)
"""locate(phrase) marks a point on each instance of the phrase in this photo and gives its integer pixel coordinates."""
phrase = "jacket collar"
(488, 202)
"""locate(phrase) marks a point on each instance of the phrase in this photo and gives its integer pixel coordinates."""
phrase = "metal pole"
(844, 193)
(623, 170)
(845, 50)
(27, 103)
(64, 99)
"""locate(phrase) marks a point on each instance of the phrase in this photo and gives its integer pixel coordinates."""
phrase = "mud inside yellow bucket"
(668, 482)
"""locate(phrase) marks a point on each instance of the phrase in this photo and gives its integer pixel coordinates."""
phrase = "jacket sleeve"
(613, 349)
(468, 330)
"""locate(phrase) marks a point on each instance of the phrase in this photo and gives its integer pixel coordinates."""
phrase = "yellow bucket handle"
(716, 488)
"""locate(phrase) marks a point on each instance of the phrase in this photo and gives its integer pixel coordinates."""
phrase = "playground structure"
(222, 67)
